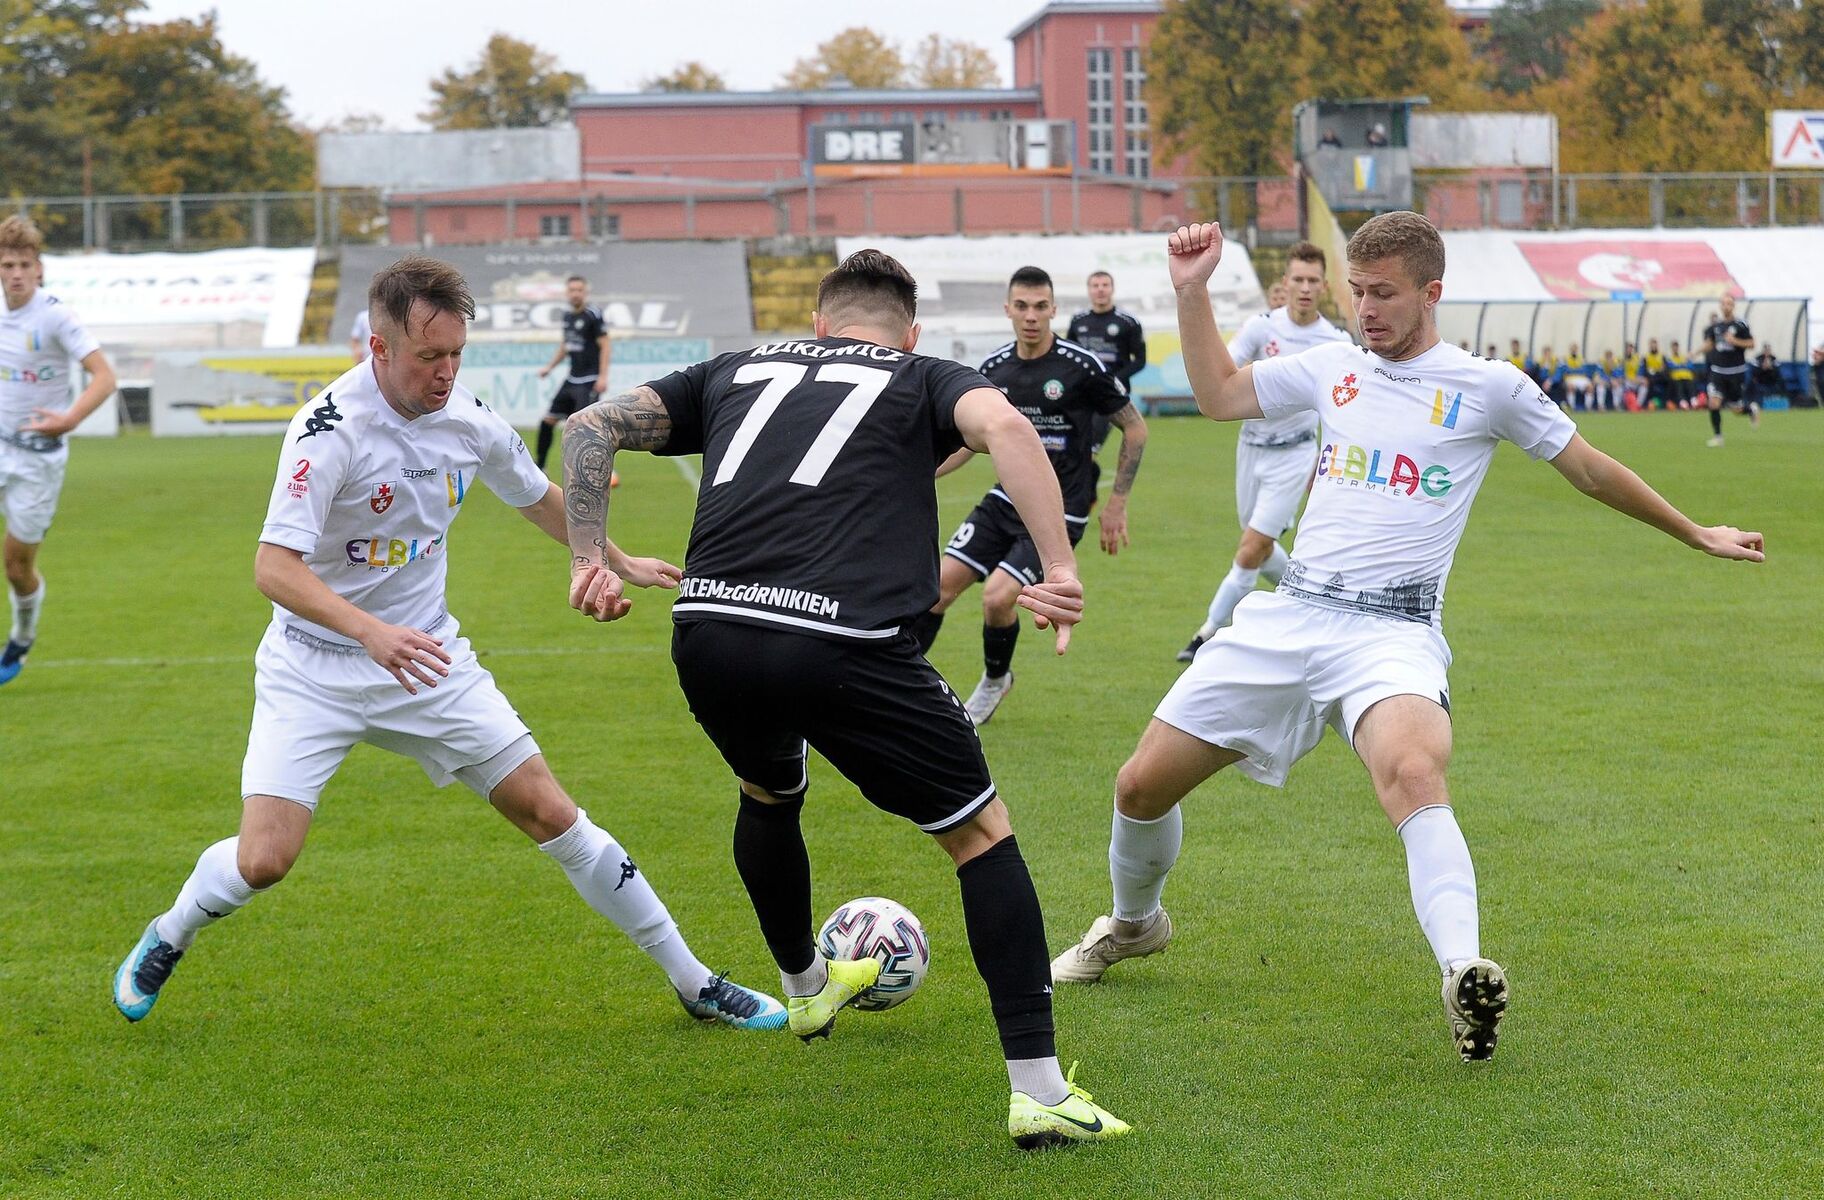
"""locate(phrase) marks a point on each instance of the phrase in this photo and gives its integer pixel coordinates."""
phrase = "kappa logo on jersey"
(382, 499)
(299, 487)
(1345, 390)
(1343, 463)
(452, 482)
(322, 421)
(1443, 417)
(389, 552)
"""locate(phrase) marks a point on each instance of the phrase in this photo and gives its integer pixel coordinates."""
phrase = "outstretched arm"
(1602, 478)
(1113, 520)
(1222, 392)
(635, 420)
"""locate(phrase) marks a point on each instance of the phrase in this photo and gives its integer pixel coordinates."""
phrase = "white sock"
(1443, 883)
(807, 982)
(1039, 1078)
(25, 614)
(214, 890)
(1140, 854)
(1275, 567)
(1233, 590)
(603, 874)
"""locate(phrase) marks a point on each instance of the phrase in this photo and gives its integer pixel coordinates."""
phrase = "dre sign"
(859, 145)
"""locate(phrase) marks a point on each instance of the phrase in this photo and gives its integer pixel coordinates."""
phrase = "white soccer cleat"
(987, 697)
(1475, 996)
(1103, 946)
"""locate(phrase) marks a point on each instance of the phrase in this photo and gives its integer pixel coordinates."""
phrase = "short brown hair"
(413, 278)
(869, 285)
(1307, 252)
(1403, 235)
(18, 232)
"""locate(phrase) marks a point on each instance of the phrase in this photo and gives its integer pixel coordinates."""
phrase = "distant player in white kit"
(39, 339)
(1273, 459)
(1352, 638)
(362, 648)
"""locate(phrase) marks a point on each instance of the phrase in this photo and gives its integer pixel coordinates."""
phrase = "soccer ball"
(874, 927)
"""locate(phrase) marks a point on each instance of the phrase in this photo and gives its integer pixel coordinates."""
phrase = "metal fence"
(1261, 210)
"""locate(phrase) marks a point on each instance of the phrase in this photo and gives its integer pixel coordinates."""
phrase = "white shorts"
(1268, 684)
(1270, 483)
(312, 705)
(29, 486)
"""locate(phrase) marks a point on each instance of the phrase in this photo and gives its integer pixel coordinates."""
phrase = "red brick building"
(1067, 147)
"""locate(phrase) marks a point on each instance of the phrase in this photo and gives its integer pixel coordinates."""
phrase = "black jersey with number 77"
(818, 509)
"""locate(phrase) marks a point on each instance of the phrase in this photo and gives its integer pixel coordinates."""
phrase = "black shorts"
(875, 709)
(573, 397)
(994, 536)
(1727, 388)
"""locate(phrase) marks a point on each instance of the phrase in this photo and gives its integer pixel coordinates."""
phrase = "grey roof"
(1131, 8)
(904, 97)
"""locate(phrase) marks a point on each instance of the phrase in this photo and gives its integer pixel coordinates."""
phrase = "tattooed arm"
(1133, 444)
(635, 420)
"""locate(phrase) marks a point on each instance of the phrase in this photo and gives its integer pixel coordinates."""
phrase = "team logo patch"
(1345, 390)
(1053, 390)
(382, 499)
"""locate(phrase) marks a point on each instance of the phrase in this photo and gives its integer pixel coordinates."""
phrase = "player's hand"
(1191, 254)
(48, 422)
(1057, 602)
(1726, 541)
(409, 655)
(648, 572)
(595, 591)
(1113, 520)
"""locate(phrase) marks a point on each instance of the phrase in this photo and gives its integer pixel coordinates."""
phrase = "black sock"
(924, 628)
(1007, 939)
(997, 647)
(1716, 421)
(545, 430)
(775, 867)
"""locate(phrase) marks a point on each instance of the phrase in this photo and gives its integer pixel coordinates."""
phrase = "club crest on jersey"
(1053, 390)
(382, 499)
(1345, 390)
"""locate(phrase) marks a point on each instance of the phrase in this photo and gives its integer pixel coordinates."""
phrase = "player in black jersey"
(585, 342)
(1061, 388)
(1726, 346)
(1114, 336)
(814, 543)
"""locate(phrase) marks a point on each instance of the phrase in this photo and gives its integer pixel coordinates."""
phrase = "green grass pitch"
(426, 1008)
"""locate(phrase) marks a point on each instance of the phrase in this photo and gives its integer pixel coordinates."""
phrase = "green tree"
(513, 84)
(1528, 42)
(940, 62)
(1230, 113)
(861, 56)
(686, 77)
(1388, 48)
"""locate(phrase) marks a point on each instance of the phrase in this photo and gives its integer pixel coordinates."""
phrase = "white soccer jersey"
(1269, 335)
(1403, 448)
(367, 497)
(38, 340)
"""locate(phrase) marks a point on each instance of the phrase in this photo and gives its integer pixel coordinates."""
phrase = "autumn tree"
(686, 77)
(513, 84)
(1528, 42)
(1230, 113)
(1387, 48)
(859, 55)
(940, 62)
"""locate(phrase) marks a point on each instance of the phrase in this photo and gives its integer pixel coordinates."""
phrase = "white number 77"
(781, 378)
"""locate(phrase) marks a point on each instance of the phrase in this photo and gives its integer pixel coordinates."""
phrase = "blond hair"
(1403, 235)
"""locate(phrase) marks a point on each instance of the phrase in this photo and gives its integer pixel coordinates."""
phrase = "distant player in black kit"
(1114, 336)
(585, 341)
(813, 546)
(1726, 346)
(1061, 388)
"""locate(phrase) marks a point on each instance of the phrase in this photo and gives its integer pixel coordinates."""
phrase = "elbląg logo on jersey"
(1053, 390)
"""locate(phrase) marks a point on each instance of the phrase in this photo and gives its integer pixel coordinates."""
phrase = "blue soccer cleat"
(142, 973)
(732, 1004)
(12, 660)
